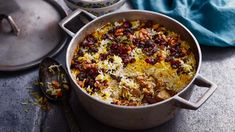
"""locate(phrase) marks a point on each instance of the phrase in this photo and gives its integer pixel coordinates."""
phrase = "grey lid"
(29, 32)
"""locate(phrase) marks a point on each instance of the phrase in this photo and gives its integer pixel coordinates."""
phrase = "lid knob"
(14, 27)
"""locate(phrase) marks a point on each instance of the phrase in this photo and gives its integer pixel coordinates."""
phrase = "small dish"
(93, 3)
(97, 11)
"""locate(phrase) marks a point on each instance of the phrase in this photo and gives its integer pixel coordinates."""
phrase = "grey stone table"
(216, 115)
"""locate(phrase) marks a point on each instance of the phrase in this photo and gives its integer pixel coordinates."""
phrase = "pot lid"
(29, 32)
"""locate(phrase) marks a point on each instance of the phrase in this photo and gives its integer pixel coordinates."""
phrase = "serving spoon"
(53, 76)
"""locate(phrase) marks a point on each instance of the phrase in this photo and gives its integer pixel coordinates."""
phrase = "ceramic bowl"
(97, 11)
(93, 3)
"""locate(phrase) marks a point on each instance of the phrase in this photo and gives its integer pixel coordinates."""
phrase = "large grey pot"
(131, 117)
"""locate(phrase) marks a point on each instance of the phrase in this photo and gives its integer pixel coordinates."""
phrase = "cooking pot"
(133, 117)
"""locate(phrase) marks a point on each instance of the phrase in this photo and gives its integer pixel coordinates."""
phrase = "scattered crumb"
(38, 99)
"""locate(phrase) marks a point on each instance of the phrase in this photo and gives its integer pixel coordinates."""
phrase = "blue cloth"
(211, 21)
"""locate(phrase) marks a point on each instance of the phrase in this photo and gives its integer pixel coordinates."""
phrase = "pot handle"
(201, 82)
(75, 21)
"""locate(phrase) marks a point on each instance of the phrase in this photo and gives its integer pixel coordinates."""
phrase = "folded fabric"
(211, 21)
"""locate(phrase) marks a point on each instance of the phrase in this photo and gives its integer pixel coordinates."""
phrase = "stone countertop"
(216, 115)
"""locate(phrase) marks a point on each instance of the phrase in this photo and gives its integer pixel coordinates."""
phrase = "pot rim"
(95, 2)
(134, 107)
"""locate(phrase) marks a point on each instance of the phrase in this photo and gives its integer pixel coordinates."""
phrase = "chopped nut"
(88, 66)
(136, 92)
(163, 95)
(81, 83)
(119, 32)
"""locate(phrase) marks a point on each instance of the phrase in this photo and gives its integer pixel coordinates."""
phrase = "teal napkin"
(211, 21)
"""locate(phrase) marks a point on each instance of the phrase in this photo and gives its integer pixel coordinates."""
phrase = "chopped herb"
(53, 67)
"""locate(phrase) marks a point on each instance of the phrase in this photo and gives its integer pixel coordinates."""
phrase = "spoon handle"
(72, 121)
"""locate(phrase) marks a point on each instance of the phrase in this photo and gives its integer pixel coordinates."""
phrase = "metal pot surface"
(134, 117)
